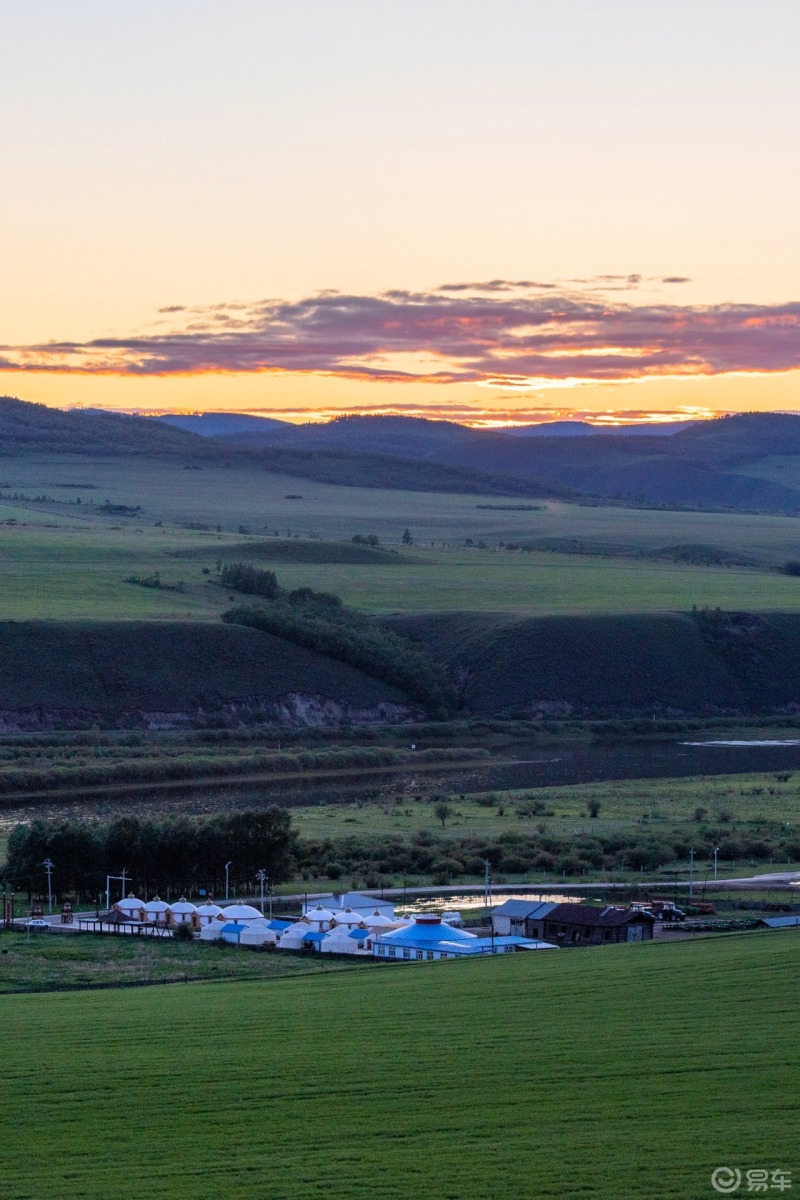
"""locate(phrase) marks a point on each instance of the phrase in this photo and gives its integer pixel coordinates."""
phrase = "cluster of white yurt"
(229, 923)
(337, 931)
(328, 930)
(178, 912)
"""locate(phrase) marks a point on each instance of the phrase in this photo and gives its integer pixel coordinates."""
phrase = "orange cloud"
(498, 334)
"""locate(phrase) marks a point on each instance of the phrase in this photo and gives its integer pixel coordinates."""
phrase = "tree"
(442, 811)
(593, 808)
(407, 538)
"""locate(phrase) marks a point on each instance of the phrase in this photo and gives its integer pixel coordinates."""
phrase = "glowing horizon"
(368, 213)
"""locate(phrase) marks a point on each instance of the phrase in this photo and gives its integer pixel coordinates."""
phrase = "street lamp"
(691, 873)
(716, 852)
(261, 875)
(228, 866)
(48, 865)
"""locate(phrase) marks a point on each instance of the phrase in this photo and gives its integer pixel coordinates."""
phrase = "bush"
(446, 869)
(320, 622)
(244, 577)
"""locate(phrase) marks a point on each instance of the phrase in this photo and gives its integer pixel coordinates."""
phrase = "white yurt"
(346, 916)
(257, 933)
(156, 910)
(379, 921)
(342, 941)
(131, 907)
(453, 918)
(183, 912)
(211, 932)
(319, 917)
(293, 937)
(240, 914)
(208, 912)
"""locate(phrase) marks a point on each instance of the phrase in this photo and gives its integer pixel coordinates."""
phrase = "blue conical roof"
(428, 930)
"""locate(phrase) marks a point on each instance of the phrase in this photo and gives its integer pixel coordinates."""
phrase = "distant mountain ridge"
(586, 429)
(706, 464)
(219, 424)
(747, 462)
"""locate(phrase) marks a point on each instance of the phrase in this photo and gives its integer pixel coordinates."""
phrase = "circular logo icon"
(726, 1180)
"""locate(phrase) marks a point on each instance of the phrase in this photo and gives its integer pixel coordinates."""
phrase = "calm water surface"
(531, 769)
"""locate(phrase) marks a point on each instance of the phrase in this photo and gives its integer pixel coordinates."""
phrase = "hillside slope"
(609, 665)
(52, 672)
(28, 427)
(355, 469)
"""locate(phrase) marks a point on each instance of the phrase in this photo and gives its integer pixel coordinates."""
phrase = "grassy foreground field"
(631, 1072)
(53, 961)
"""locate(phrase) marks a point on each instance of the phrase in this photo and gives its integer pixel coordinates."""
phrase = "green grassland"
(701, 811)
(627, 1072)
(543, 584)
(67, 560)
(755, 799)
(79, 573)
(58, 961)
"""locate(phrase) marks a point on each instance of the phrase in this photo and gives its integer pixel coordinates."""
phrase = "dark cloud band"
(505, 334)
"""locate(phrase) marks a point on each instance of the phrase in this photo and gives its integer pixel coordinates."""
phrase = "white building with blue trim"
(430, 938)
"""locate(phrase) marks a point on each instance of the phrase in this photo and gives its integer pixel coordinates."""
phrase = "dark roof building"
(572, 924)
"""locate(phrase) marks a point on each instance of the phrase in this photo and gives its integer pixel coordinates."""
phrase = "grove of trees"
(165, 856)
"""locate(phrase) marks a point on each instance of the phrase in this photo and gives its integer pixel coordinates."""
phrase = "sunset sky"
(495, 212)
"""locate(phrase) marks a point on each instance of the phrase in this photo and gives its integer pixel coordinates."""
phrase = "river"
(526, 768)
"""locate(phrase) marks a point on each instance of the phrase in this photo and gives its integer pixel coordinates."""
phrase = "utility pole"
(123, 877)
(716, 852)
(228, 866)
(48, 865)
(691, 873)
(487, 887)
(261, 875)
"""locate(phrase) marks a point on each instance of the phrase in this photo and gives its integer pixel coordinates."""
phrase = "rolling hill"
(28, 427)
(749, 462)
(62, 672)
(708, 464)
(219, 424)
(706, 663)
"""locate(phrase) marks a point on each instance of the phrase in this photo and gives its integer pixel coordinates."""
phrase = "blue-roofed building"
(314, 938)
(260, 933)
(356, 901)
(509, 918)
(231, 932)
(430, 938)
(780, 922)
